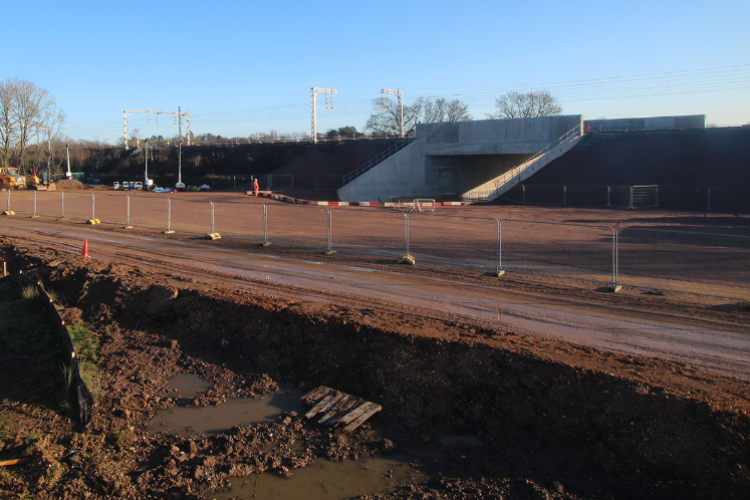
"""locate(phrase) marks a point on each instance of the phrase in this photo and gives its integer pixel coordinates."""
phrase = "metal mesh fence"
(298, 225)
(77, 206)
(644, 196)
(570, 250)
(579, 195)
(730, 200)
(189, 216)
(111, 208)
(619, 196)
(148, 212)
(238, 220)
(690, 197)
(463, 240)
(276, 182)
(650, 258)
(49, 204)
(682, 256)
(386, 238)
(543, 194)
(21, 202)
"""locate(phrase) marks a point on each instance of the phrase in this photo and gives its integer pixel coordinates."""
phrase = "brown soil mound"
(70, 184)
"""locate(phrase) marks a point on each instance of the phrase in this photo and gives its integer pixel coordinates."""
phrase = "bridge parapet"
(494, 137)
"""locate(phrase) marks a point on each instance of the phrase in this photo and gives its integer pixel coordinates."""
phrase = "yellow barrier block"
(407, 259)
(93, 221)
(213, 236)
(9, 212)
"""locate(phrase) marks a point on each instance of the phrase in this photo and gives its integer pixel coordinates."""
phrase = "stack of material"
(336, 407)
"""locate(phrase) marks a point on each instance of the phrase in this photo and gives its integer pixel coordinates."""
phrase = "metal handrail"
(369, 164)
(508, 176)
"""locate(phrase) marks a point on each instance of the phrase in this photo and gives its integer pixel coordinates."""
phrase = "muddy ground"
(557, 421)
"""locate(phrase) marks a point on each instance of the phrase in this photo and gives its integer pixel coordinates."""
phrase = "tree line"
(31, 123)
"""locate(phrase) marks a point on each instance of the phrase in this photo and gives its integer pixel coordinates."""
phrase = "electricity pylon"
(314, 91)
(400, 95)
(179, 114)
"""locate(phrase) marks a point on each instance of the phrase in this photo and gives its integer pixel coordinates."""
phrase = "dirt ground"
(556, 420)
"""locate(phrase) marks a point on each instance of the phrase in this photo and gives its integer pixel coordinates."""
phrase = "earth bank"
(557, 421)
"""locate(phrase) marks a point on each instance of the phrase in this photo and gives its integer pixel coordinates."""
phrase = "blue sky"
(245, 67)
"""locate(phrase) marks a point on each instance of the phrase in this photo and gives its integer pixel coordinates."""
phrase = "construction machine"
(34, 182)
(10, 178)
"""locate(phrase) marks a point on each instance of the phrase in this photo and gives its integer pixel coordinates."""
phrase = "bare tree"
(442, 110)
(386, 120)
(25, 110)
(7, 122)
(526, 105)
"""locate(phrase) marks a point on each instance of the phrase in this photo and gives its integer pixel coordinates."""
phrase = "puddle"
(209, 420)
(362, 269)
(325, 480)
(188, 387)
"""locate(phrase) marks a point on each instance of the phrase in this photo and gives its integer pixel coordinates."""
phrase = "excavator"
(34, 182)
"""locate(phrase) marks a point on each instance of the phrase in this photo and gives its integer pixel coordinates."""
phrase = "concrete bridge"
(466, 158)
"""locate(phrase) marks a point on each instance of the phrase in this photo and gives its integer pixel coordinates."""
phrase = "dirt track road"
(709, 342)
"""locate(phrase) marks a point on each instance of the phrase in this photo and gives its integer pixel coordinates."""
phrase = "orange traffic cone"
(86, 247)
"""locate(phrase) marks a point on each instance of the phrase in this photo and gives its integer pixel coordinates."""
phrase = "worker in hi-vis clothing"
(256, 187)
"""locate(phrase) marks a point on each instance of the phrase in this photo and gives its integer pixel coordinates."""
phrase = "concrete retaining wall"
(652, 123)
(400, 176)
(494, 137)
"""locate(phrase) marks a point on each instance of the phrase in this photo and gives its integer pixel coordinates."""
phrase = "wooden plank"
(361, 419)
(356, 412)
(316, 394)
(337, 408)
(336, 398)
(318, 406)
(343, 409)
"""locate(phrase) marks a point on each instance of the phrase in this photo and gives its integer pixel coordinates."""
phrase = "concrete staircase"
(374, 162)
(504, 183)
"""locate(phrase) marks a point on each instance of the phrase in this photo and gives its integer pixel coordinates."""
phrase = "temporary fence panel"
(618, 196)
(678, 260)
(112, 208)
(21, 202)
(240, 220)
(644, 196)
(732, 200)
(190, 216)
(149, 210)
(516, 194)
(77, 205)
(455, 240)
(297, 225)
(371, 231)
(567, 250)
(581, 195)
(47, 204)
(690, 197)
(537, 194)
(276, 182)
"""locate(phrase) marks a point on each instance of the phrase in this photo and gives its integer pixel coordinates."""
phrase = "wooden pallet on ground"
(338, 408)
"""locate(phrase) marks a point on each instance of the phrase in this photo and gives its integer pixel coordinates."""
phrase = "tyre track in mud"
(726, 352)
